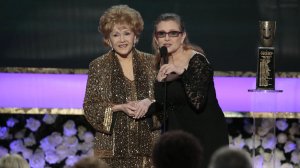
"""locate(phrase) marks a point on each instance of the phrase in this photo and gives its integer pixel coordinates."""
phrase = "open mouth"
(123, 45)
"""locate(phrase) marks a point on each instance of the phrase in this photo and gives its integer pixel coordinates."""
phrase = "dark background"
(63, 33)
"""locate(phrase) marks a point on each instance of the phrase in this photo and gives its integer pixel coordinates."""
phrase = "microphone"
(164, 54)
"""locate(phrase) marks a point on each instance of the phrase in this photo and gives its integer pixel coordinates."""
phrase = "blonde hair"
(120, 14)
(13, 161)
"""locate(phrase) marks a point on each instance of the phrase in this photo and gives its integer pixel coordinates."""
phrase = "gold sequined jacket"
(107, 86)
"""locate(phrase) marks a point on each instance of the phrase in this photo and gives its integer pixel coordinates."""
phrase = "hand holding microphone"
(164, 57)
(168, 69)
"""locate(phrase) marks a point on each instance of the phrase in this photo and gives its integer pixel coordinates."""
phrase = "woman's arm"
(97, 105)
(196, 80)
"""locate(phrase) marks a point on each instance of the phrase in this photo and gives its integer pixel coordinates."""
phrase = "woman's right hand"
(160, 76)
(169, 72)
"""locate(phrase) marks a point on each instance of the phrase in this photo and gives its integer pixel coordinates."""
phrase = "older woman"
(119, 92)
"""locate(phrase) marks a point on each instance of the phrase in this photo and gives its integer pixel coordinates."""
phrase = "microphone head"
(164, 54)
(163, 51)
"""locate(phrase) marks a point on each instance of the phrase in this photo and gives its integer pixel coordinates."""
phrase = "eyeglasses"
(162, 34)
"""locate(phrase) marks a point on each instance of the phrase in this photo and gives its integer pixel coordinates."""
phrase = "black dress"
(192, 106)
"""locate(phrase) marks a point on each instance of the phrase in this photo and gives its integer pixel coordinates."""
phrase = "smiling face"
(122, 39)
(168, 34)
(267, 33)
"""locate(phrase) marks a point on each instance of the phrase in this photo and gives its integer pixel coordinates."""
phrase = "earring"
(111, 47)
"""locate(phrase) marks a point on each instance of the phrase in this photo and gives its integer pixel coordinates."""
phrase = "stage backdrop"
(55, 33)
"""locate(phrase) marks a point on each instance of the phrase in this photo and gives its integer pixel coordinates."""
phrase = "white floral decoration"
(17, 145)
(49, 118)
(37, 160)
(55, 139)
(282, 138)
(279, 155)
(33, 124)
(64, 147)
(53, 148)
(62, 151)
(238, 142)
(88, 137)
(295, 157)
(70, 141)
(70, 128)
(81, 131)
(258, 161)
(4, 133)
(71, 160)
(269, 141)
(46, 145)
(51, 157)
(267, 157)
(281, 124)
(249, 142)
(11, 122)
(268, 123)
(20, 134)
(260, 150)
(30, 140)
(50, 142)
(262, 131)
(248, 127)
(27, 153)
(85, 147)
(3, 151)
(90, 152)
(268, 164)
(295, 129)
(289, 146)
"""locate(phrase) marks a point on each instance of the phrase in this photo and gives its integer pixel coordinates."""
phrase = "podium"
(264, 128)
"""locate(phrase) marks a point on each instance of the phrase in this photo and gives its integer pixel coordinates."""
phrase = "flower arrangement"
(46, 140)
(60, 141)
(271, 143)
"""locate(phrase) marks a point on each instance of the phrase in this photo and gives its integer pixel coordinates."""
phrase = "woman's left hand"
(142, 108)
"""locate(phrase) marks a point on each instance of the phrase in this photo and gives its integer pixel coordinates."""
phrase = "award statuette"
(264, 97)
(265, 76)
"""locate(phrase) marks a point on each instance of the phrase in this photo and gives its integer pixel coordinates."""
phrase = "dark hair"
(186, 43)
(177, 149)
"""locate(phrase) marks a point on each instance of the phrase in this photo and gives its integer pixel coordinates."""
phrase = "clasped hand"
(137, 109)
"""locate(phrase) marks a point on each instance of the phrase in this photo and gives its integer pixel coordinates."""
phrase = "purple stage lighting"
(23, 90)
